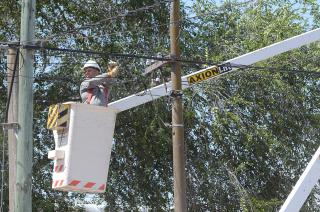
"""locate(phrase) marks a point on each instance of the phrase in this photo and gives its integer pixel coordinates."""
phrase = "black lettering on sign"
(225, 67)
(208, 74)
(204, 75)
(191, 80)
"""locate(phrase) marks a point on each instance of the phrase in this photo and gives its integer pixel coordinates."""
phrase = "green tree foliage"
(262, 129)
(249, 134)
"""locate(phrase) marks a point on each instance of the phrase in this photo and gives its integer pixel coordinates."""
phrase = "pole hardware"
(176, 94)
(177, 125)
(172, 125)
(10, 126)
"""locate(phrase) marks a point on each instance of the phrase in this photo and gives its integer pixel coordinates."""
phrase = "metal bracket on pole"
(172, 125)
(177, 125)
(10, 126)
(176, 94)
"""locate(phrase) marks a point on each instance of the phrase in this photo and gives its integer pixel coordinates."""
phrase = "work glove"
(113, 69)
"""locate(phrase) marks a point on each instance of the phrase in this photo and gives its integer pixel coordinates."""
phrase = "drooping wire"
(113, 54)
(124, 14)
(11, 85)
(120, 15)
(147, 90)
(238, 66)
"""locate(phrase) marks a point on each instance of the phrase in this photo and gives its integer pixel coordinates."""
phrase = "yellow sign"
(204, 75)
(58, 116)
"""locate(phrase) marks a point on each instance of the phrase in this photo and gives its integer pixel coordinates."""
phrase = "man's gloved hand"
(113, 69)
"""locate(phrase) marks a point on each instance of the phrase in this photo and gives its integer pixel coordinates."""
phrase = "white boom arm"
(246, 59)
(304, 186)
(312, 173)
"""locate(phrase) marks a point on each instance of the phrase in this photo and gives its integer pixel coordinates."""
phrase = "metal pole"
(179, 174)
(12, 118)
(23, 201)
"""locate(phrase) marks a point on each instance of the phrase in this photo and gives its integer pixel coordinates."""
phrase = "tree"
(249, 134)
(260, 128)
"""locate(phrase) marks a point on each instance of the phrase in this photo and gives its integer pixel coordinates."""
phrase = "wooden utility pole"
(23, 200)
(12, 75)
(180, 203)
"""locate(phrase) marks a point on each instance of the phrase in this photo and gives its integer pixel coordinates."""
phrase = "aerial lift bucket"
(83, 137)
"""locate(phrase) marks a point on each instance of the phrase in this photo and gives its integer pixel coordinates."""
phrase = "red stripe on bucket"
(61, 167)
(89, 185)
(74, 183)
(102, 187)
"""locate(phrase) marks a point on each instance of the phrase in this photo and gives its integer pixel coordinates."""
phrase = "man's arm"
(97, 80)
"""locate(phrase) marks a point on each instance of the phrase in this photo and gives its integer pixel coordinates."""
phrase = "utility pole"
(12, 118)
(180, 203)
(23, 201)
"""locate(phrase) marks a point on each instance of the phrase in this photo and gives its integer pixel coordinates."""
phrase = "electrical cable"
(126, 13)
(112, 18)
(112, 54)
(11, 85)
(147, 90)
(107, 55)
(120, 15)
(239, 66)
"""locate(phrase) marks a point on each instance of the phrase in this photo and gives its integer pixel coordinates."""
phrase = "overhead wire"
(238, 66)
(123, 14)
(147, 89)
(11, 85)
(113, 54)
(120, 15)
(137, 56)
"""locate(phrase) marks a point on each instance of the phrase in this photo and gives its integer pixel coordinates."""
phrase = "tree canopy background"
(249, 134)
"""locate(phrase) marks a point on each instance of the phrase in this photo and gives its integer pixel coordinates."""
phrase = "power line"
(124, 14)
(113, 54)
(121, 15)
(84, 37)
(11, 85)
(70, 79)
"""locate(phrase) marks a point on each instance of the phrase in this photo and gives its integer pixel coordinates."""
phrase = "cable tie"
(176, 94)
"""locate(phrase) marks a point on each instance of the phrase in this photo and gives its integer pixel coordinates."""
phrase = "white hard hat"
(92, 64)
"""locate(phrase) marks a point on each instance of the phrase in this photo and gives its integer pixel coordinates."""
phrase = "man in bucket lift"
(96, 87)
